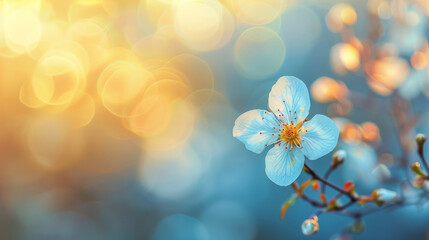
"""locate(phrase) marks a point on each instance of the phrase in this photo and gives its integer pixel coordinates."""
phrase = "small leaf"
(286, 205)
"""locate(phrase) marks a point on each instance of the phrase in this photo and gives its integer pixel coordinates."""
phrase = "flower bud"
(310, 226)
(382, 195)
(416, 169)
(420, 139)
(349, 187)
(338, 158)
(315, 185)
(419, 181)
(333, 204)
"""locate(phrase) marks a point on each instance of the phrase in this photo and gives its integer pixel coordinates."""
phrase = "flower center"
(291, 135)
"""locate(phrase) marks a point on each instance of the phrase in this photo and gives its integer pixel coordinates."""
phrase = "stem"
(422, 157)
(326, 177)
(346, 206)
(338, 195)
(315, 176)
(319, 212)
(311, 201)
(302, 195)
(373, 209)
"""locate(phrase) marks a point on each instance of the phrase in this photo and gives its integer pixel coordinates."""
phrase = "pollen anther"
(291, 134)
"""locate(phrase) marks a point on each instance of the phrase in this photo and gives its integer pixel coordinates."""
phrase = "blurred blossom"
(386, 74)
(341, 108)
(326, 89)
(419, 181)
(385, 195)
(344, 58)
(370, 132)
(366, 132)
(419, 60)
(381, 8)
(351, 133)
(340, 16)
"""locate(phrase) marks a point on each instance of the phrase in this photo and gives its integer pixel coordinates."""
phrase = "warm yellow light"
(419, 60)
(257, 12)
(120, 84)
(351, 132)
(386, 74)
(58, 78)
(326, 89)
(23, 29)
(348, 15)
(370, 132)
(199, 23)
(339, 15)
(345, 57)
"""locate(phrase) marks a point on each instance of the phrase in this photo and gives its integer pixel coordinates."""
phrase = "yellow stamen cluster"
(291, 134)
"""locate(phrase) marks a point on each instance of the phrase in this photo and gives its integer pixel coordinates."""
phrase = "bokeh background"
(117, 115)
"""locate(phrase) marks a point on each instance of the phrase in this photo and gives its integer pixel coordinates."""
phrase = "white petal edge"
(321, 138)
(256, 129)
(283, 167)
(289, 99)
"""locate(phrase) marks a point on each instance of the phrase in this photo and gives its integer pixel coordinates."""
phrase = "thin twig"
(311, 201)
(326, 177)
(315, 176)
(422, 157)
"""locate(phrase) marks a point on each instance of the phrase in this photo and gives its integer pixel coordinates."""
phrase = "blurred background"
(117, 115)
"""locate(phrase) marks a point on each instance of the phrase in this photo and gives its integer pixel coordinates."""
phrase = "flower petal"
(321, 138)
(289, 99)
(256, 129)
(385, 195)
(283, 167)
